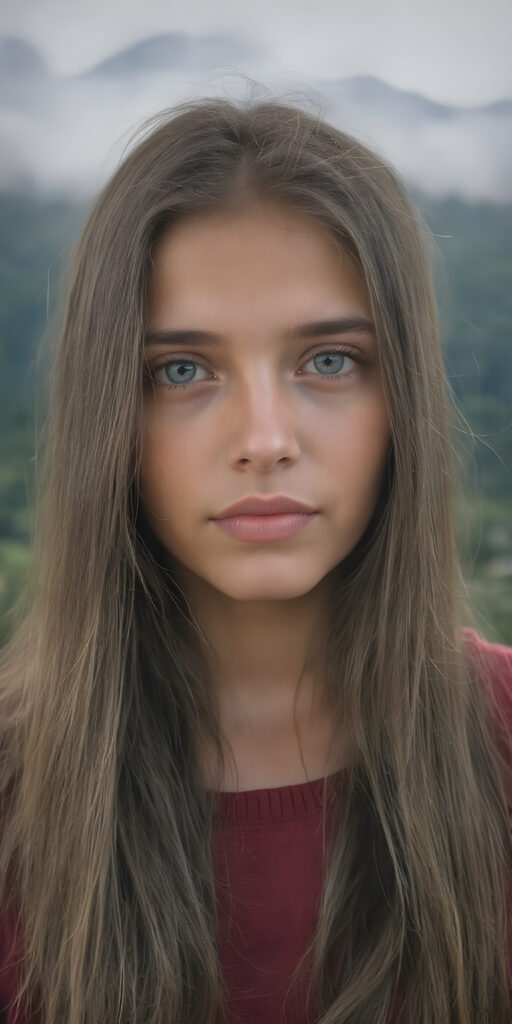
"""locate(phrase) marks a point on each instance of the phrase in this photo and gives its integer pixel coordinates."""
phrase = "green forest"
(472, 253)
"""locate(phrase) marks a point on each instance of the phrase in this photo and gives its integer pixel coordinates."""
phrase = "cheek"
(163, 488)
(360, 455)
(166, 470)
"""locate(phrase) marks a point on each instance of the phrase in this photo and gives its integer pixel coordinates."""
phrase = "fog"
(66, 133)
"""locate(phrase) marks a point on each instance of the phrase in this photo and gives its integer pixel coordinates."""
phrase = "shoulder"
(494, 662)
(498, 656)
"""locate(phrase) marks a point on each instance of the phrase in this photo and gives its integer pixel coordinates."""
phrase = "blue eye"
(332, 362)
(180, 373)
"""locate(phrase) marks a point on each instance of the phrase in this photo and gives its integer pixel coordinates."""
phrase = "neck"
(266, 650)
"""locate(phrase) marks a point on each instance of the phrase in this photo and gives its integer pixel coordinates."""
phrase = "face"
(261, 409)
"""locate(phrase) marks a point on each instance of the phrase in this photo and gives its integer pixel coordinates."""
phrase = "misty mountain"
(23, 73)
(173, 51)
(64, 135)
(19, 60)
(371, 92)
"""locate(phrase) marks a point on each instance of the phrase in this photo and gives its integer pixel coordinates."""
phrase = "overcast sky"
(455, 51)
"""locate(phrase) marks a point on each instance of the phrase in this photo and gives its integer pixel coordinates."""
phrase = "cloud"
(452, 52)
(66, 134)
(438, 148)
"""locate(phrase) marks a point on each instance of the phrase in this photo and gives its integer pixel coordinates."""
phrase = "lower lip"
(265, 528)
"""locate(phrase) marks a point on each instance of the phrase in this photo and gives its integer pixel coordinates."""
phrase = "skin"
(259, 416)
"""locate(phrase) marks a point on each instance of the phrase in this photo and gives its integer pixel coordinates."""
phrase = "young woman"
(255, 766)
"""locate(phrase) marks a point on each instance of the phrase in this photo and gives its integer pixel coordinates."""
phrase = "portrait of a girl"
(255, 755)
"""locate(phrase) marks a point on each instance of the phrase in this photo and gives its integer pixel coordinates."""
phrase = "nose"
(263, 427)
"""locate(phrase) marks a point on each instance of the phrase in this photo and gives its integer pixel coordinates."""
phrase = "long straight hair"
(105, 696)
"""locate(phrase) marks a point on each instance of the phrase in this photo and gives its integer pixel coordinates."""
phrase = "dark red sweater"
(268, 846)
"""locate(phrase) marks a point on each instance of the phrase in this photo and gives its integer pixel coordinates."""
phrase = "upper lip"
(256, 505)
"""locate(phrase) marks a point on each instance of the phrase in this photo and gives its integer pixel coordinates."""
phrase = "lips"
(255, 505)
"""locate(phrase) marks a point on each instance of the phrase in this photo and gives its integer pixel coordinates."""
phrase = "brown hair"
(106, 842)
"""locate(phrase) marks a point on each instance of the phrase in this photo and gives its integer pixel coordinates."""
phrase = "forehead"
(263, 250)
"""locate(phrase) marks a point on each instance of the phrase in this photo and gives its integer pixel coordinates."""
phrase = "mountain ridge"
(60, 132)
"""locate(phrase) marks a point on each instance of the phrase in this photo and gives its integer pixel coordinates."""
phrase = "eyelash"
(150, 375)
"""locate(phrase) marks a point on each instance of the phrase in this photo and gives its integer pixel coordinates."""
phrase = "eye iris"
(332, 361)
(180, 368)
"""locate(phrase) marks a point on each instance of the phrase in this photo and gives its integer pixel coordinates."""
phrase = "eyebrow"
(302, 332)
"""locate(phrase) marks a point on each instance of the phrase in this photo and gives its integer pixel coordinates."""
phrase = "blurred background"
(428, 86)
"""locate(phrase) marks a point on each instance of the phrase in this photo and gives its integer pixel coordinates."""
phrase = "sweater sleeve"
(494, 662)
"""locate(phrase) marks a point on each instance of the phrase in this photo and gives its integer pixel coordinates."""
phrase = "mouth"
(264, 528)
(258, 505)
